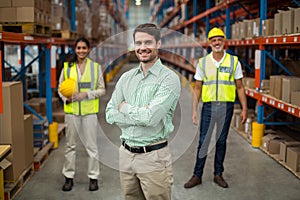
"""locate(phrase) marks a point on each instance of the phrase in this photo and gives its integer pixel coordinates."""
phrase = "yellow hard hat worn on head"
(214, 32)
(68, 87)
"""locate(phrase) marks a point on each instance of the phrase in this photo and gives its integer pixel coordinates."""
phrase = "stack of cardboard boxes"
(32, 11)
(283, 23)
(16, 130)
(59, 18)
(286, 149)
(285, 88)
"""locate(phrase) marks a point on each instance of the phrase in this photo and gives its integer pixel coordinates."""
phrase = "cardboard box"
(296, 20)
(283, 148)
(268, 27)
(5, 3)
(256, 25)
(8, 14)
(265, 84)
(12, 128)
(288, 22)
(244, 29)
(278, 24)
(276, 86)
(295, 98)
(266, 140)
(274, 145)
(250, 33)
(289, 85)
(26, 3)
(293, 158)
(28, 14)
(28, 140)
(249, 82)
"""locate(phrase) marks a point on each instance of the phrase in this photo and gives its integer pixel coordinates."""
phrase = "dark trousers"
(219, 114)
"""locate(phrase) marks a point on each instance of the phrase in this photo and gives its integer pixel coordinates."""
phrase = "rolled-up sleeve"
(113, 116)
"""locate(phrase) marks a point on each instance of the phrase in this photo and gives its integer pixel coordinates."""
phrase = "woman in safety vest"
(80, 86)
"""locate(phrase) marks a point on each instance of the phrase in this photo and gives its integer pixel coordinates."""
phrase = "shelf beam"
(157, 10)
(273, 102)
(172, 15)
(201, 15)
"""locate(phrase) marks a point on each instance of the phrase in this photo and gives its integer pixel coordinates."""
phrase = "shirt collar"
(216, 62)
(155, 69)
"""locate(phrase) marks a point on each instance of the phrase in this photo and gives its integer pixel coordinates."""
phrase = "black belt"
(146, 148)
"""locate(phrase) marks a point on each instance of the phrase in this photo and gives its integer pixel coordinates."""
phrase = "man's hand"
(244, 115)
(121, 105)
(195, 119)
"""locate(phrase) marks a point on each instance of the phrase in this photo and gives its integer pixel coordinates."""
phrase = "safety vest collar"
(231, 69)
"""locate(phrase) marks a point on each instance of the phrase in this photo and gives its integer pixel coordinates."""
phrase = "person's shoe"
(68, 184)
(193, 182)
(219, 180)
(93, 185)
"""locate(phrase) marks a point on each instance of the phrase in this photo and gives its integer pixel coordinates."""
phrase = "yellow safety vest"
(88, 82)
(218, 83)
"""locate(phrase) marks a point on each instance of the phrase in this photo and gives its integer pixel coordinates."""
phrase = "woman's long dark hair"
(74, 57)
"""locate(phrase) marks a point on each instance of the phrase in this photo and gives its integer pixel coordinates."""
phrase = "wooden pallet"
(41, 156)
(11, 189)
(64, 34)
(28, 28)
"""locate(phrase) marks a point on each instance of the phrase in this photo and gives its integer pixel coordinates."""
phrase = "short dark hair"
(148, 28)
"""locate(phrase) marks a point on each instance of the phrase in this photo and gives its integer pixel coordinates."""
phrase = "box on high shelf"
(296, 20)
(268, 27)
(278, 23)
(276, 86)
(289, 85)
(288, 21)
(295, 98)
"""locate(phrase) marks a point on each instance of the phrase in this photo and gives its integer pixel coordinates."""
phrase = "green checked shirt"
(150, 103)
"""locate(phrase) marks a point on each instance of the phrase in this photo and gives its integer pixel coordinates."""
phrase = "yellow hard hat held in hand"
(214, 32)
(68, 87)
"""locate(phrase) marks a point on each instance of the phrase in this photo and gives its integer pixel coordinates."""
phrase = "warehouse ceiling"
(138, 14)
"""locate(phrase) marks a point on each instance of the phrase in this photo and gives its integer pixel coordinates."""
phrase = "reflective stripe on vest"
(219, 83)
(87, 83)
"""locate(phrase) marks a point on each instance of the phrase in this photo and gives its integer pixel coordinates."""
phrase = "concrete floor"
(251, 174)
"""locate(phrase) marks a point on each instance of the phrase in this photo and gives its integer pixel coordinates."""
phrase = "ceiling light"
(138, 2)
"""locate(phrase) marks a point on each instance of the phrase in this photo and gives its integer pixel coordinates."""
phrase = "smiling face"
(81, 50)
(146, 47)
(217, 44)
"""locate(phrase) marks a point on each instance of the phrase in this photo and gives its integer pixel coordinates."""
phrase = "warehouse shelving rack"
(45, 56)
(234, 10)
